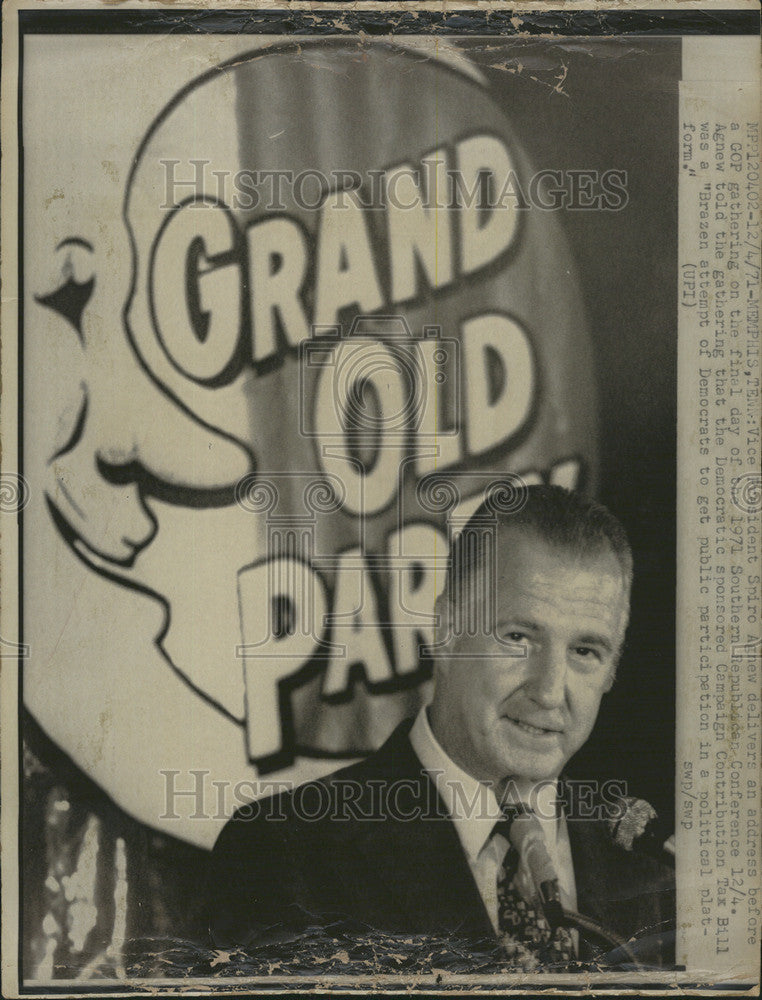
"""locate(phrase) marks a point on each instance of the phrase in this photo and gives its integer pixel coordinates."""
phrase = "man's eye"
(516, 636)
(587, 653)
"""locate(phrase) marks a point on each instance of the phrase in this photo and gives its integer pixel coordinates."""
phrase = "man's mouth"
(527, 727)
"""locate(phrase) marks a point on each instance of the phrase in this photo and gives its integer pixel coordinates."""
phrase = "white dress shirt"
(473, 808)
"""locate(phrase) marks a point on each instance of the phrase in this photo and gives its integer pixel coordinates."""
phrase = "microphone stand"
(558, 916)
(579, 922)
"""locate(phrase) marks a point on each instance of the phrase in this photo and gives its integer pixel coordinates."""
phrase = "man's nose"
(547, 676)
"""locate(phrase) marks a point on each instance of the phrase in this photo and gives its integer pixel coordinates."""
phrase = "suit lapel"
(423, 864)
(624, 891)
(597, 870)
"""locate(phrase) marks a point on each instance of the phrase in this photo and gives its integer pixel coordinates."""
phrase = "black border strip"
(233, 986)
(20, 521)
(323, 22)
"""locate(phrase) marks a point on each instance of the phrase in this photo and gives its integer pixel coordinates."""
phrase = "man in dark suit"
(420, 838)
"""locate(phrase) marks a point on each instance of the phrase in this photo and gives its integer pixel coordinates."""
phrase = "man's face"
(501, 715)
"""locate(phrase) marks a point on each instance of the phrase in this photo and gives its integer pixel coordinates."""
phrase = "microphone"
(527, 838)
(640, 831)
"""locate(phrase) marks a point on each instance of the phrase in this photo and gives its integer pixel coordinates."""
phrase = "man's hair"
(558, 516)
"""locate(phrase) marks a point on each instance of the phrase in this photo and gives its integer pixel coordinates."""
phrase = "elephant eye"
(71, 296)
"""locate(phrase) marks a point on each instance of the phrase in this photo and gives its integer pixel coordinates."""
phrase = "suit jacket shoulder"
(370, 845)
